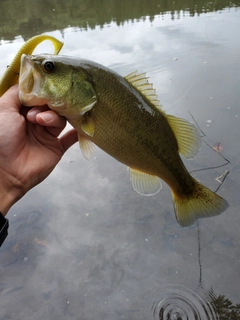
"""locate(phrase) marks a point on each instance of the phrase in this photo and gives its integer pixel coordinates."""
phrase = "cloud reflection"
(83, 244)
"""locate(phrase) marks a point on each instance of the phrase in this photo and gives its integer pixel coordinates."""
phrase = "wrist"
(6, 202)
(9, 194)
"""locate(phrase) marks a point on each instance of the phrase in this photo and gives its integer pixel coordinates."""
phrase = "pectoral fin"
(143, 183)
(87, 125)
(86, 146)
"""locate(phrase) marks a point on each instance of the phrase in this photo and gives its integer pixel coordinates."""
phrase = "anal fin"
(143, 183)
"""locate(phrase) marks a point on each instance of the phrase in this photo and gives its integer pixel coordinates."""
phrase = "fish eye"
(48, 65)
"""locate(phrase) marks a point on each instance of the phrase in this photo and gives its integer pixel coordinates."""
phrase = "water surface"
(83, 245)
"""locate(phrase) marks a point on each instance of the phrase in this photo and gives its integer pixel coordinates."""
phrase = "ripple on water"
(181, 303)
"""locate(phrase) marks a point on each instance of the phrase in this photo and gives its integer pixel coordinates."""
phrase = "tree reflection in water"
(223, 306)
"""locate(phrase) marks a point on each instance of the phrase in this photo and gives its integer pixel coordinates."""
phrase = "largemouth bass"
(10, 76)
(124, 118)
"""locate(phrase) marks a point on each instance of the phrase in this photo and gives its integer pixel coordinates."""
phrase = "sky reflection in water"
(83, 244)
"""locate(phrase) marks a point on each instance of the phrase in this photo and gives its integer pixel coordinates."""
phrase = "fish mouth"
(30, 82)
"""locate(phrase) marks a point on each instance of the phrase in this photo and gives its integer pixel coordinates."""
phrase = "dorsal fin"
(140, 82)
(187, 135)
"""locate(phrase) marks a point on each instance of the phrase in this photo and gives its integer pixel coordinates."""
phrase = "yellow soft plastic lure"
(10, 76)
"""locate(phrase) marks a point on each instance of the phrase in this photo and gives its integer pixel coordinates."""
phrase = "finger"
(68, 139)
(52, 121)
(47, 118)
(33, 112)
(10, 99)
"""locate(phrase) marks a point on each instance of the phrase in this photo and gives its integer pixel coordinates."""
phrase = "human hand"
(29, 146)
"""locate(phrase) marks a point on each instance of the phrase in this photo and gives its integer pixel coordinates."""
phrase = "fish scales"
(122, 116)
(148, 149)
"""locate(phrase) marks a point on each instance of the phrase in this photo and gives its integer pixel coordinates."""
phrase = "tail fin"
(201, 203)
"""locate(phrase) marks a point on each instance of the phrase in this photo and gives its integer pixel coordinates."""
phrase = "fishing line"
(199, 256)
(203, 58)
(222, 177)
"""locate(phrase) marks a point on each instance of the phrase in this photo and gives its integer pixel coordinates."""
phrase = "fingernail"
(46, 117)
(32, 114)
